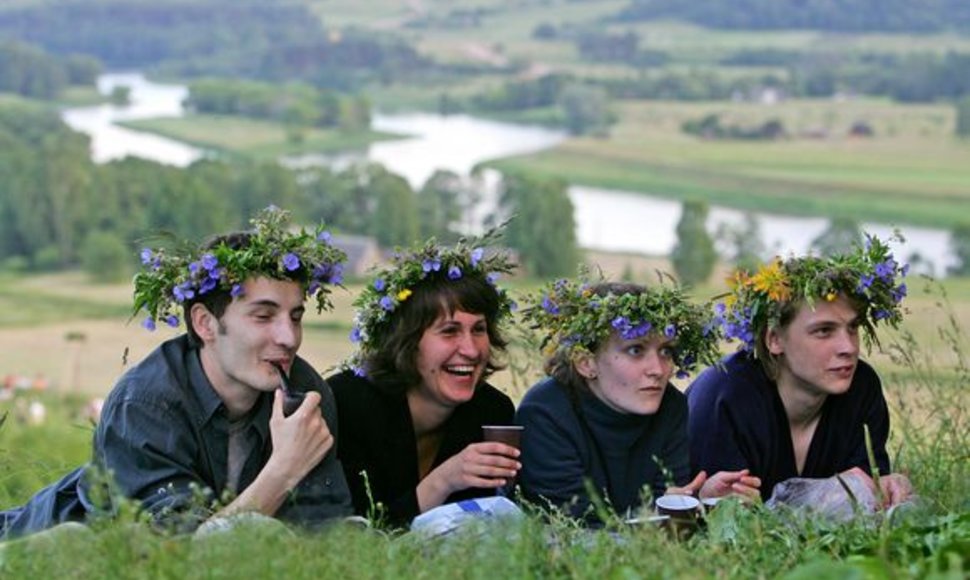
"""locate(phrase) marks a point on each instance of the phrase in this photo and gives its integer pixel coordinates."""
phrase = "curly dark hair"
(393, 365)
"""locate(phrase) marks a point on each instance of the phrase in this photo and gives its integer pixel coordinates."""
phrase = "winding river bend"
(606, 219)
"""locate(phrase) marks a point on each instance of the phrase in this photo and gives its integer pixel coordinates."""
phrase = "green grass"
(253, 138)
(913, 167)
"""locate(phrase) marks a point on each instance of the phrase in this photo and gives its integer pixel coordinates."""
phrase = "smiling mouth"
(461, 370)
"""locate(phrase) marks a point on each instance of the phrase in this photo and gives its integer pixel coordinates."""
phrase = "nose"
(848, 344)
(287, 333)
(471, 346)
(656, 364)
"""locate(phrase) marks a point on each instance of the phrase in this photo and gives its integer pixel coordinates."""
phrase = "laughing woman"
(607, 418)
(412, 407)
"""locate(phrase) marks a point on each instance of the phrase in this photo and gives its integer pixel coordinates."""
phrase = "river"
(605, 219)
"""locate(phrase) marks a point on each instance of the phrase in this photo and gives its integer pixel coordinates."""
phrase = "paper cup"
(508, 434)
(681, 507)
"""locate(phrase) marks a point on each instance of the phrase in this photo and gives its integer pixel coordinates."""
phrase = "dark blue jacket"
(737, 421)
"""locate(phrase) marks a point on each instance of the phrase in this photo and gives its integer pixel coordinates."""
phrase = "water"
(605, 219)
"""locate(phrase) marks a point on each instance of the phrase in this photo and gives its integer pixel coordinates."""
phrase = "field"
(253, 138)
(925, 371)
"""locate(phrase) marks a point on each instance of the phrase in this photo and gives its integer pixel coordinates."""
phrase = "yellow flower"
(830, 297)
(773, 281)
(403, 295)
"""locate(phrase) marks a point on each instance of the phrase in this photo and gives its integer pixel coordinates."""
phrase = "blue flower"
(146, 256)
(193, 267)
(549, 306)
(898, 293)
(359, 371)
(291, 261)
(720, 308)
(682, 374)
(492, 277)
(379, 285)
(476, 256)
(670, 331)
(355, 334)
(337, 274)
(865, 282)
(324, 237)
(637, 331)
(885, 269)
(387, 303)
(172, 320)
(183, 292)
(904, 270)
(454, 273)
(880, 314)
(148, 324)
(431, 265)
(237, 291)
(209, 262)
(207, 286)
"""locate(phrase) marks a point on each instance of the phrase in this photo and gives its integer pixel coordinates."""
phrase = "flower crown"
(393, 285)
(868, 275)
(169, 279)
(574, 318)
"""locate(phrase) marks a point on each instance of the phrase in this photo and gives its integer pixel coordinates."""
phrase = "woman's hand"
(691, 488)
(488, 465)
(732, 483)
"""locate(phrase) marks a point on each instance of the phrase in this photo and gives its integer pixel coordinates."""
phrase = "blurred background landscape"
(632, 135)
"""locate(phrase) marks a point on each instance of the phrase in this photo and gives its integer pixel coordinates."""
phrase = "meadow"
(925, 369)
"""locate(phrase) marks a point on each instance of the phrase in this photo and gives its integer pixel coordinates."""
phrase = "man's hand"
(301, 440)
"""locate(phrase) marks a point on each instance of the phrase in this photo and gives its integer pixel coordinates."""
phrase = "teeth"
(461, 369)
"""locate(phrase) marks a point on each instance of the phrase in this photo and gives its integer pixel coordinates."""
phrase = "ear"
(585, 364)
(204, 322)
(774, 341)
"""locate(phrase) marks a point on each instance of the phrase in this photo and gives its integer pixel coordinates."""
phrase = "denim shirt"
(164, 439)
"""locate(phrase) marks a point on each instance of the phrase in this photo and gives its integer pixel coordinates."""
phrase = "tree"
(693, 256)
(585, 108)
(963, 118)
(842, 234)
(439, 206)
(105, 256)
(960, 245)
(745, 247)
(543, 228)
(395, 218)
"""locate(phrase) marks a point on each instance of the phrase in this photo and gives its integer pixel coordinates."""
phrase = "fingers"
(277, 404)
(496, 448)
(310, 403)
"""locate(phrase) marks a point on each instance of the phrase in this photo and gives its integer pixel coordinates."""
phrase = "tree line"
(268, 41)
(58, 209)
(837, 16)
(293, 104)
(30, 72)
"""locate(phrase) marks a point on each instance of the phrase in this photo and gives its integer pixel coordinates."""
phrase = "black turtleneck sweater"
(620, 453)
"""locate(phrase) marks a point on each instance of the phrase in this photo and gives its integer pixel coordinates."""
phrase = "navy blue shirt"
(377, 437)
(164, 435)
(737, 421)
(620, 453)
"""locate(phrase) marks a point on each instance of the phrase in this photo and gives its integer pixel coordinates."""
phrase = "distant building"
(363, 253)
